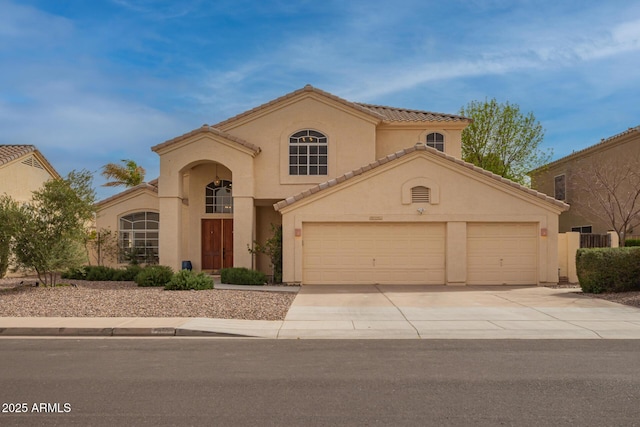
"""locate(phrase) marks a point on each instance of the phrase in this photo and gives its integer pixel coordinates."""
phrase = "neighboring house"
(365, 194)
(578, 178)
(23, 169)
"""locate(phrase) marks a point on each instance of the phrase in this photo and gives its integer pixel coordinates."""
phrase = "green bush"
(154, 275)
(127, 274)
(79, 273)
(242, 276)
(99, 273)
(187, 279)
(632, 242)
(608, 269)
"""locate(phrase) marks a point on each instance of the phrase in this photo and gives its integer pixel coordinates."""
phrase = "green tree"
(8, 213)
(503, 140)
(53, 226)
(129, 174)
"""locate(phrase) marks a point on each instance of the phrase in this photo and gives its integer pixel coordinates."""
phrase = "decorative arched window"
(218, 197)
(138, 237)
(420, 194)
(436, 140)
(308, 153)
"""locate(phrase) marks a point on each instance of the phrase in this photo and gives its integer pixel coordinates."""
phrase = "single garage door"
(502, 253)
(378, 253)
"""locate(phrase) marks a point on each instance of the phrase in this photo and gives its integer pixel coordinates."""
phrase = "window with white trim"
(435, 140)
(308, 153)
(420, 194)
(138, 237)
(218, 197)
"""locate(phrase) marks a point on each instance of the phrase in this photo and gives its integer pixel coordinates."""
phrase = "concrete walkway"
(385, 312)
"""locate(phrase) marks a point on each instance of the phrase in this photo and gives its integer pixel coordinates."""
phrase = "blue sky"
(92, 82)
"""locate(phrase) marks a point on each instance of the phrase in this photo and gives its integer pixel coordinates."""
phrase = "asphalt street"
(112, 382)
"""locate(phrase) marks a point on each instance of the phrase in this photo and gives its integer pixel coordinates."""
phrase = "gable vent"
(31, 161)
(420, 194)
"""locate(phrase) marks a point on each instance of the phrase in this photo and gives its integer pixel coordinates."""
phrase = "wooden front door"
(217, 243)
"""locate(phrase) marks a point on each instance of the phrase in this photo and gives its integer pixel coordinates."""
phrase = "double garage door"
(414, 253)
(379, 253)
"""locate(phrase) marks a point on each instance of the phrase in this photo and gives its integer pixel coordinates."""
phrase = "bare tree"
(608, 191)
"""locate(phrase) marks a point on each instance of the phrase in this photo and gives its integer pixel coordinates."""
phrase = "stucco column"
(573, 244)
(170, 249)
(548, 252)
(456, 253)
(244, 220)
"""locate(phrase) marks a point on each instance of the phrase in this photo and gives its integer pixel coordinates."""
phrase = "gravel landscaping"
(126, 299)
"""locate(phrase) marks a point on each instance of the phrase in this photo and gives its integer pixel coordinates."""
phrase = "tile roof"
(382, 113)
(208, 129)
(393, 114)
(306, 89)
(603, 142)
(379, 112)
(151, 186)
(9, 153)
(333, 182)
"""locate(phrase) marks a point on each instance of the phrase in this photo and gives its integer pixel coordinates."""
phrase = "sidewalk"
(384, 312)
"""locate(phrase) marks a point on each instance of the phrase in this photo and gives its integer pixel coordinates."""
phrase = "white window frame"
(140, 231)
(308, 153)
(438, 141)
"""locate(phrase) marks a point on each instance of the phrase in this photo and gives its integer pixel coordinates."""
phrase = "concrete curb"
(112, 332)
(263, 288)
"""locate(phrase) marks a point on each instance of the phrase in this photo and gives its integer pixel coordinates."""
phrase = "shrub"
(99, 273)
(242, 276)
(632, 242)
(608, 269)
(127, 274)
(79, 273)
(154, 275)
(186, 279)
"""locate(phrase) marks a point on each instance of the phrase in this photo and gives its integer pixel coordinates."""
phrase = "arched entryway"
(217, 232)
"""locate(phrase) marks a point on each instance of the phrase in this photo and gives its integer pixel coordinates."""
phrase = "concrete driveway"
(456, 312)
(384, 312)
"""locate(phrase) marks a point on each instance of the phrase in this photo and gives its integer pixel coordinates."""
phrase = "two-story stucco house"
(364, 193)
(23, 170)
(587, 177)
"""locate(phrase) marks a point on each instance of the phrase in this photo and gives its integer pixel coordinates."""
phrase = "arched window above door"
(219, 197)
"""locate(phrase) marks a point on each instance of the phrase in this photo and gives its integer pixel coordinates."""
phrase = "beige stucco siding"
(613, 155)
(464, 196)
(351, 143)
(109, 213)
(20, 180)
(390, 139)
(202, 157)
